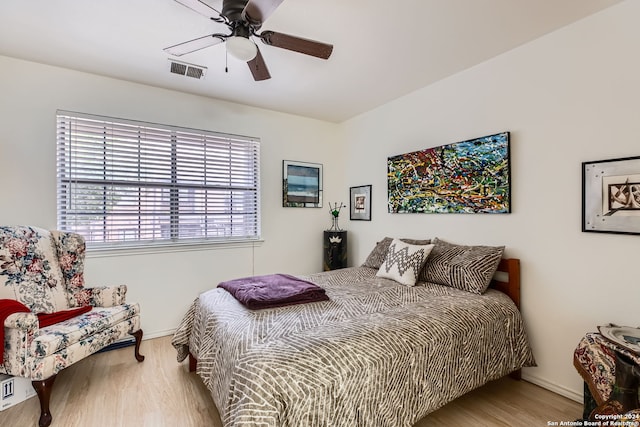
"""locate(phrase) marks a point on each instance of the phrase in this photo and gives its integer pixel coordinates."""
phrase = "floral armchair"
(42, 273)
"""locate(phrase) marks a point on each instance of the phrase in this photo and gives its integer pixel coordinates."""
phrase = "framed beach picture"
(360, 203)
(301, 184)
(611, 196)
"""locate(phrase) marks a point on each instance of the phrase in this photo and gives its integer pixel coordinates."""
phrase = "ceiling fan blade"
(202, 8)
(297, 44)
(257, 11)
(195, 44)
(259, 68)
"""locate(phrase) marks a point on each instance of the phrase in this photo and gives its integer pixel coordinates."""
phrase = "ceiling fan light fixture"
(241, 48)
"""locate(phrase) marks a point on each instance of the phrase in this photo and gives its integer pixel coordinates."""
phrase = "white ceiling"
(382, 50)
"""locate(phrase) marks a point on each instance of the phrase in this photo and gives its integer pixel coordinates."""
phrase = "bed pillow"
(469, 268)
(404, 261)
(377, 255)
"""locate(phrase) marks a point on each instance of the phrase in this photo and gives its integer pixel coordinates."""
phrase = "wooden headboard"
(511, 287)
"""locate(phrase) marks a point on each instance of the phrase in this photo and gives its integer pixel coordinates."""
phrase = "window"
(125, 182)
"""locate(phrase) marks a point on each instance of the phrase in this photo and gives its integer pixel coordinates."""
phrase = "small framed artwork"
(611, 196)
(360, 203)
(301, 184)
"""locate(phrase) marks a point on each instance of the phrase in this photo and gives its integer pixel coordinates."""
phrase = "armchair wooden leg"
(138, 336)
(43, 388)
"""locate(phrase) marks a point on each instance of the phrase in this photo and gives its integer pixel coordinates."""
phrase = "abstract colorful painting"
(465, 177)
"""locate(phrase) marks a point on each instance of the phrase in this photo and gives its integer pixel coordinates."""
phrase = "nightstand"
(334, 250)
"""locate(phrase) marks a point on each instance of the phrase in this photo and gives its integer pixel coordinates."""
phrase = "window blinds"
(122, 181)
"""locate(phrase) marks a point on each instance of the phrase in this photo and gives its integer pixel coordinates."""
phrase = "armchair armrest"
(25, 322)
(19, 331)
(107, 296)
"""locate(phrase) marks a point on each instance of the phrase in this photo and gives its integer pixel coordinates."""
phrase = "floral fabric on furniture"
(71, 250)
(40, 353)
(594, 359)
(44, 270)
(29, 269)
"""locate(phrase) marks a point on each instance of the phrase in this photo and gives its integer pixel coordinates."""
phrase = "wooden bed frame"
(511, 287)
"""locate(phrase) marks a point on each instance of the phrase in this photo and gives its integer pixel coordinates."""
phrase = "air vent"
(185, 69)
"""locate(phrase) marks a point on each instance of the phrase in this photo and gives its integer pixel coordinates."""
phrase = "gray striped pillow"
(469, 268)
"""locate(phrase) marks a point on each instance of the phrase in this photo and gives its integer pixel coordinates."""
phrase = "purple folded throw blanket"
(273, 290)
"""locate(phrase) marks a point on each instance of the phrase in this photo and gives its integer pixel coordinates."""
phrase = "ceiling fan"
(244, 19)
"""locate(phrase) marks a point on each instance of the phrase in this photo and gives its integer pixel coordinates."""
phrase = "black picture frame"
(360, 203)
(611, 196)
(301, 184)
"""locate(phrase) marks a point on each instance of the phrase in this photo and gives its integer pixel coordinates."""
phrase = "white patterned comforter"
(377, 354)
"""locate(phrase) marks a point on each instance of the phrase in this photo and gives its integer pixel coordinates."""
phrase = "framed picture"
(611, 196)
(471, 176)
(360, 203)
(301, 184)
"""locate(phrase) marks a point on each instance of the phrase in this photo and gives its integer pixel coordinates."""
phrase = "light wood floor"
(111, 389)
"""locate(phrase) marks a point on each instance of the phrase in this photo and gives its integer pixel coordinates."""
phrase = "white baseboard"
(558, 389)
(157, 334)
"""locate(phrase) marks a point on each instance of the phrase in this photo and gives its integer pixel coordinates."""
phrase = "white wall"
(165, 283)
(569, 97)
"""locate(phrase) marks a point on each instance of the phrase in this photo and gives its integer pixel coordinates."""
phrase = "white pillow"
(404, 262)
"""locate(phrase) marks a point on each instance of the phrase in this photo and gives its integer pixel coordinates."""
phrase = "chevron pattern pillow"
(404, 262)
(378, 254)
(469, 268)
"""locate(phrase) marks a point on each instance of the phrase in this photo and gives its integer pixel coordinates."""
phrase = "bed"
(377, 353)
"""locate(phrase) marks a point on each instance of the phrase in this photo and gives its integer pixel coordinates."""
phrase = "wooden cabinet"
(334, 250)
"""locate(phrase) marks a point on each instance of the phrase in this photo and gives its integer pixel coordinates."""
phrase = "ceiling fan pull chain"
(226, 61)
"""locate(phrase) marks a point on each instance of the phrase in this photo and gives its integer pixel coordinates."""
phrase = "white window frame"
(126, 184)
